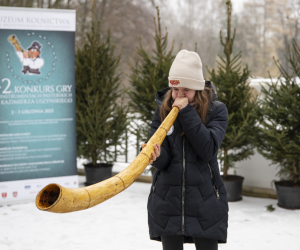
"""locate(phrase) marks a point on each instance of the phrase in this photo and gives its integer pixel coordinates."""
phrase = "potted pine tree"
(231, 81)
(278, 136)
(149, 74)
(100, 113)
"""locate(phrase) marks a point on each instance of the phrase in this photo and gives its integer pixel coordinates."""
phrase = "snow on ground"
(121, 223)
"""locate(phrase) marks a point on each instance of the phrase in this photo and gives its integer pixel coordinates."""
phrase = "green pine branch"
(100, 112)
(149, 74)
(230, 79)
(278, 135)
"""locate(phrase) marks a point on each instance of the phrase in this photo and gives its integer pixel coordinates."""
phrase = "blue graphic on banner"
(37, 104)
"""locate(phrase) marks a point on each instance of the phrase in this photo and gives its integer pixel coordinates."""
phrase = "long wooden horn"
(57, 199)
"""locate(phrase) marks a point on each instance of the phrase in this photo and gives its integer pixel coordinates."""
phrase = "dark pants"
(175, 242)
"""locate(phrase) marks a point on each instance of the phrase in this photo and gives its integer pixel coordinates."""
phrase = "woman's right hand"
(155, 153)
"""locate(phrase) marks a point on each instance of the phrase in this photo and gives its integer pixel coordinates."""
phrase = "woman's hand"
(156, 152)
(180, 102)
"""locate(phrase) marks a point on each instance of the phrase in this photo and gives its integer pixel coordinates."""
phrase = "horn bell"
(58, 199)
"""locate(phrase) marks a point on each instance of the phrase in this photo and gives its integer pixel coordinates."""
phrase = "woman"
(187, 202)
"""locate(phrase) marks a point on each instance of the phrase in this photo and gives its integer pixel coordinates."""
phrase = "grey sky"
(237, 5)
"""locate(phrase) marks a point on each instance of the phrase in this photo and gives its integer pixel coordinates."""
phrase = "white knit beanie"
(186, 71)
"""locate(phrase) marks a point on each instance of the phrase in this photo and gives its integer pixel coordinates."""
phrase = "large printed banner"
(37, 101)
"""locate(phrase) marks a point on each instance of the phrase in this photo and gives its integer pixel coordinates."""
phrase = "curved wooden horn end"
(48, 196)
(57, 199)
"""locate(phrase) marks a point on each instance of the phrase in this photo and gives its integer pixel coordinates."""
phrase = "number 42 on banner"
(7, 87)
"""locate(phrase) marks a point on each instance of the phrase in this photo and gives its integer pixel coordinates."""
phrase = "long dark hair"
(202, 99)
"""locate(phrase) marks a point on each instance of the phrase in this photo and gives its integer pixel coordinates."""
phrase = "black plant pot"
(233, 185)
(95, 174)
(288, 194)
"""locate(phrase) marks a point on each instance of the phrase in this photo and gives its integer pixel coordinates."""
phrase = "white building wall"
(257, 172)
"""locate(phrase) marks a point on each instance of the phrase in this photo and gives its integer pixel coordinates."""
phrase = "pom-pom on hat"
(186, 71)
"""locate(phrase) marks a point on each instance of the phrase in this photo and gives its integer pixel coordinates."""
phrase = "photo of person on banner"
(31, 60)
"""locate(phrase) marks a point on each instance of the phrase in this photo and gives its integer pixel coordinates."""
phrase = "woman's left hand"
(155, 153)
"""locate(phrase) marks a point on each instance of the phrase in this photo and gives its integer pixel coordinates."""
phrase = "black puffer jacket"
(187, 194)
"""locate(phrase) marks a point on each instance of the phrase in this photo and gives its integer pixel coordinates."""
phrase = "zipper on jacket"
(214, 184)
(156, 180)
(183, 186)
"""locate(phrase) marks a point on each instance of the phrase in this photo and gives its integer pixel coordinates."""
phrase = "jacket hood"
(161, 93)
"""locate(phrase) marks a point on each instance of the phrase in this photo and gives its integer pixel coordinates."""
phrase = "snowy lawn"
(121, 223)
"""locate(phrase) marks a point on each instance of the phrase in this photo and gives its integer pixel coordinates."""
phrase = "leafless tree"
(195, 25)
